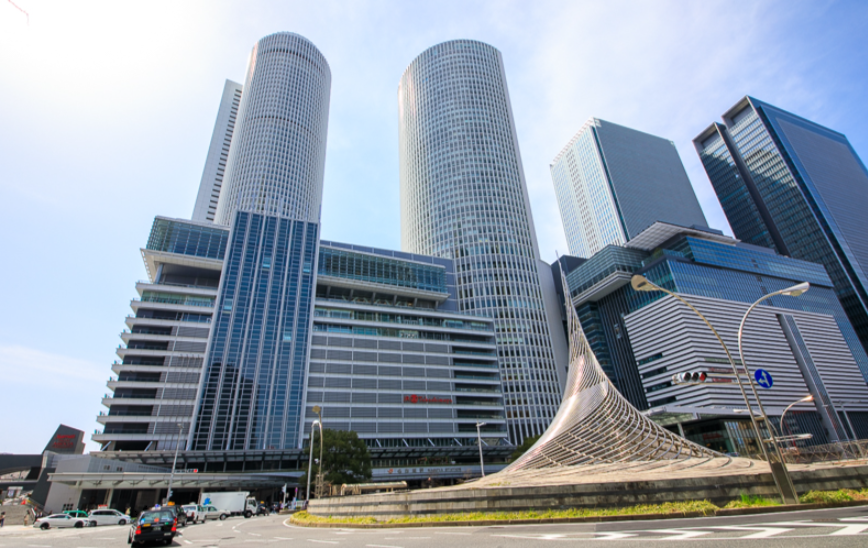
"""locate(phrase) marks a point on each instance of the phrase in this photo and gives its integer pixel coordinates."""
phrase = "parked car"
(62, 520)
(154, 525)
(109, 517)
(192, 512)
(207, 512)
(76, 513)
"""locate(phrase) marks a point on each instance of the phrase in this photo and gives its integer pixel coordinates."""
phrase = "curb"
(594, 519)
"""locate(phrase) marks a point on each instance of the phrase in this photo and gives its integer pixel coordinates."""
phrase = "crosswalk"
(782, 529)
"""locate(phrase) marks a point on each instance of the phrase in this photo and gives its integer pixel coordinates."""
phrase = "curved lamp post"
(809, 397)
(479, 441)
(319, 477)
(793, 291)
(641, 283)
(310, 460)
(174, 464)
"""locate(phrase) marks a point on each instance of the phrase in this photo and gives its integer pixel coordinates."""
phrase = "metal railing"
(841, 451)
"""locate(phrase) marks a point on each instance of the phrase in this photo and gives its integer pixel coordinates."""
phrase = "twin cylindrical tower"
(277, 158)
(463, 192)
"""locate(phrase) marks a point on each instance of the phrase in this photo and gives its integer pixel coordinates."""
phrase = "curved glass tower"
(277, 157)
(463, 196)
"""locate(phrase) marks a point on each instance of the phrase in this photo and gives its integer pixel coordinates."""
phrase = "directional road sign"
(763, 378)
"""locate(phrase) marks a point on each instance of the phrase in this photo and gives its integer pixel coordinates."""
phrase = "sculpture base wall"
(628, 491)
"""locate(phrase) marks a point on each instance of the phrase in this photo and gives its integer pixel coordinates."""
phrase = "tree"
(345, 458)
(522, 449)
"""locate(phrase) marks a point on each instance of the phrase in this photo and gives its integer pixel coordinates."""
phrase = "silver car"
(62, 520)
(109, 517)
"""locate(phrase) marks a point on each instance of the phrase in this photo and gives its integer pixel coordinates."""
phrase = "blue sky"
(107, 110)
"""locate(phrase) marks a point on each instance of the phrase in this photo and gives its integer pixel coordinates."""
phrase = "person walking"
(2, 518)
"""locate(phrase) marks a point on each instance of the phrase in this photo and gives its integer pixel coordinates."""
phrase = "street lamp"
(313, 426)
(319, 477)
(174, 463)
(793, 291)
(479, 441)
(641, 283)
(809, 397)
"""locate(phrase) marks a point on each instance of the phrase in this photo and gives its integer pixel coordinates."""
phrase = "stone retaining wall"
(716, 489)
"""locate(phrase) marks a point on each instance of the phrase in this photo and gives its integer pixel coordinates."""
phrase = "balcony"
(492, 378)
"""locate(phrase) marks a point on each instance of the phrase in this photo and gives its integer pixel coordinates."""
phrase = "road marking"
(850, 530)
(679, 534)
(323, 541)
(762, 532)
(282, 538)
(255, 534)
(187, 541)
(612, 535)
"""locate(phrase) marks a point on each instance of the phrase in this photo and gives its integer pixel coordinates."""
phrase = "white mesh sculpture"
(595, 424)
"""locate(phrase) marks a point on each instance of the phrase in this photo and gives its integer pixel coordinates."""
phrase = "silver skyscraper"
(277, 157)
(218, 153)
(613, 182)
(464, 196)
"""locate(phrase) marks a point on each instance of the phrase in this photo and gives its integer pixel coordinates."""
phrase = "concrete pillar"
(108, 497)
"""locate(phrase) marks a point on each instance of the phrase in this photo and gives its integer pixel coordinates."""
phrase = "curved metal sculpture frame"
(595, 424)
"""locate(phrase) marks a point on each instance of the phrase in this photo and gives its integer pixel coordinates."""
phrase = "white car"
(109, 517)
(62, 520)
(192, 511)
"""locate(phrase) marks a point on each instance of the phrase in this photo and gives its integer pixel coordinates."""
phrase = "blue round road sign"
(763, 378)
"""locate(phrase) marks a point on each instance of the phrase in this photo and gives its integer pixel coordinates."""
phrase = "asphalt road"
(845, 528)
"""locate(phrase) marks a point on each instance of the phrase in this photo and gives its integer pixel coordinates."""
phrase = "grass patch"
(826, 497)
(751, 501)
(703, 507)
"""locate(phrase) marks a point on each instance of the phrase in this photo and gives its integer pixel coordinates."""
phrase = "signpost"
(763, 378)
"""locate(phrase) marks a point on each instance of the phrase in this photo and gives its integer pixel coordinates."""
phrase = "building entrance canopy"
(127, 480)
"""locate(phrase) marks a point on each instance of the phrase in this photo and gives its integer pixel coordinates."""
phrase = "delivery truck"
(237, 503)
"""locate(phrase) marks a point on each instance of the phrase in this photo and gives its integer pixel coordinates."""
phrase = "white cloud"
(35, 368)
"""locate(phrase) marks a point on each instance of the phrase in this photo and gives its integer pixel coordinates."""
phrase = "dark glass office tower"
(797, 187)
(252, 394)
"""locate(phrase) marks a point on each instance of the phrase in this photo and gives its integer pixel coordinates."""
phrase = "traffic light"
(690, 377)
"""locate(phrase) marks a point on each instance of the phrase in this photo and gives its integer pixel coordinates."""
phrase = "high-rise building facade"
(277, 158)
(253, 387)
(392, 359)
(799, 340)
(797, 187)
(218, 153)
(464, 197)
(613, 182)
(161, 357)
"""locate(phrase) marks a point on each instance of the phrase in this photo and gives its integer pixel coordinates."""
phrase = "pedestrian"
(2, 518)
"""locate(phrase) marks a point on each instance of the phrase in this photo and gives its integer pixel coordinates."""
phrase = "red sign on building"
(425, 399)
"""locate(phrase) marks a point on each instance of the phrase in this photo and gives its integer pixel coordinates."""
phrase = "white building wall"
(684, 343)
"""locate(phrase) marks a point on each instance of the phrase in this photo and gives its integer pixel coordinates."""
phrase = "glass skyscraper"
(797, 187)
(613, 182)
(464, 197)
(252, 393)
(277, 157)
